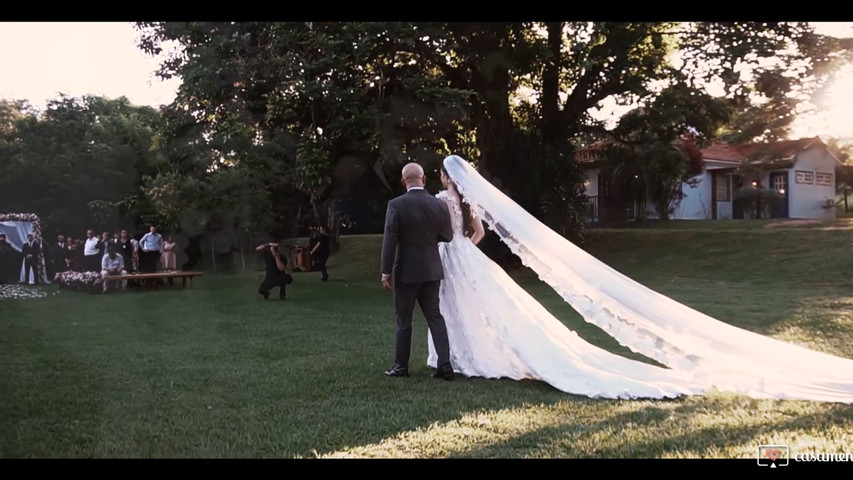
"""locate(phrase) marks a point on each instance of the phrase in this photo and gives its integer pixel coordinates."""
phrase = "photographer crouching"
(276, 275)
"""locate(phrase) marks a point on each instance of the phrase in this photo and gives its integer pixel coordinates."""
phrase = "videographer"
(276, 274)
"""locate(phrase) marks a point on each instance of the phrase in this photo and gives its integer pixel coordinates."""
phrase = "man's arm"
(445, 230)
(278, 263)
(261, 247)
(389, 244)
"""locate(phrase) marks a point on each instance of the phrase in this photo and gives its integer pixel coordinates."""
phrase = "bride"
(497, 329)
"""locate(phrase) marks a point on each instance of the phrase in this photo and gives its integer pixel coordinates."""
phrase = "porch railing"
(592, 213)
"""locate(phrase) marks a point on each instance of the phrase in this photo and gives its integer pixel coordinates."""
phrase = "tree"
(79, 163)
(512, 96)
(656, 148)
(310, 107)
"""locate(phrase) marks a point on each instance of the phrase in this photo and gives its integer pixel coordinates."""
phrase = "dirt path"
(793, 223)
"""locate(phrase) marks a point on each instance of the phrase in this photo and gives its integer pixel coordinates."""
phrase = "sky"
(41, 59)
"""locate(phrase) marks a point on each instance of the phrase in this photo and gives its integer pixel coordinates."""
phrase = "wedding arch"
(17, 226)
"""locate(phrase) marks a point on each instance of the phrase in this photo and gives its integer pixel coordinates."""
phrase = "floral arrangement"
(82, 281)
(20, 217)
(21, 292)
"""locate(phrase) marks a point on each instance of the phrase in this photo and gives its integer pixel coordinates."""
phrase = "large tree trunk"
(334, 230)
(491, 81)
(550, 98)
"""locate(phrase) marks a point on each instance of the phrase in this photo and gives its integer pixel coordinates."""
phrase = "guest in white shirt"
(112, 264)
(91, 255)
(152, 246)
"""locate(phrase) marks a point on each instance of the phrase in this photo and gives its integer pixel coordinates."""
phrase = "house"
(801, 171)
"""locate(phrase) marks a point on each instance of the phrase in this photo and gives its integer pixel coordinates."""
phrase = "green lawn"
(214, 371)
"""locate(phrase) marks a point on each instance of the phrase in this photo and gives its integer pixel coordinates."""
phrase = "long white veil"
(714, 353)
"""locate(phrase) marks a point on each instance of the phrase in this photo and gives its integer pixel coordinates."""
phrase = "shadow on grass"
(215, 372)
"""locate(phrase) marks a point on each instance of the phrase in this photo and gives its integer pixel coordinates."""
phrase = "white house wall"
(592, 182)
(696, 203)
(808, 196)
(725, 210)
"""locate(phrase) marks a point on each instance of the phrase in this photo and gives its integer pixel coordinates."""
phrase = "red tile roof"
(589, 153)
(778, 149)
(725, 152)
(722, 152)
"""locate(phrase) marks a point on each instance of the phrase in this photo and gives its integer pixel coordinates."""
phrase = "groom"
(414, 225)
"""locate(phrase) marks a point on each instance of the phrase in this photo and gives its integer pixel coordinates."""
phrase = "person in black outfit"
(7, 260)
(321, 251)
(31, 250)
(57, 256)
(124, 247)
(276, 276)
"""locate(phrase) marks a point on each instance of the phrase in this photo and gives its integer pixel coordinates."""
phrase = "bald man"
(415, 223)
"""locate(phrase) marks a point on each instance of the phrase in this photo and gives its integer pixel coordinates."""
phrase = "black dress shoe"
(397, 372)
(445, 372)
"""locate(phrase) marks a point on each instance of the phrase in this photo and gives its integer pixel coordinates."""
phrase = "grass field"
(216, 372)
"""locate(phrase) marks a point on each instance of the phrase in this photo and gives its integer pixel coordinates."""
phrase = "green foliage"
(756, 200)
(379, 94)
(78, 163)
(564, 204)
(769, 70)
(657, 147)
(336, 91)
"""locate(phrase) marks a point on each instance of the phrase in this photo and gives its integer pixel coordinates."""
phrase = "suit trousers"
(275, 280)
(31, 267)
(424, 294)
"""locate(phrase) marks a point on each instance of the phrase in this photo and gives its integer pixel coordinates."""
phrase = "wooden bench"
(170, 276)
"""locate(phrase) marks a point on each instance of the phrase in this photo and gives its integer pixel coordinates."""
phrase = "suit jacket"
(28, 250)
(415, 223)
(59, 250)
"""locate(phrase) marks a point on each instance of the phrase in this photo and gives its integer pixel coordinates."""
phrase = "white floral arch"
(16, 226)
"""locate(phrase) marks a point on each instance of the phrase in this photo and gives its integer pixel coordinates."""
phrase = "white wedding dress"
(496, 329)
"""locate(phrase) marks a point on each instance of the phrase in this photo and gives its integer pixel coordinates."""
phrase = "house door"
(737, 207)
(779, 182)
(608, 202)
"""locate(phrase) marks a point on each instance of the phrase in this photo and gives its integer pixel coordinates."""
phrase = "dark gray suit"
(415, 223)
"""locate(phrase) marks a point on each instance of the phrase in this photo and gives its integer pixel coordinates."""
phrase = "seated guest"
(112, 264)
